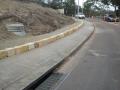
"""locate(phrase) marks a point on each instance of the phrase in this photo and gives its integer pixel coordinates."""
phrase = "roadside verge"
(37, 44)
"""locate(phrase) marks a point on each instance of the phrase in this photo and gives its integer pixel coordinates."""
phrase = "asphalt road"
(99, 69)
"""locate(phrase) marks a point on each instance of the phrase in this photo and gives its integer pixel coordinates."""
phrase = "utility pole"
(82, 7)
(78, 7)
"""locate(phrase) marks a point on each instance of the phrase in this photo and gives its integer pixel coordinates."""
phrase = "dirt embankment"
(37, 19)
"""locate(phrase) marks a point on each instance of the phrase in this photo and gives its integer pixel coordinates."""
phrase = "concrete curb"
(37, 82)
(37, 44)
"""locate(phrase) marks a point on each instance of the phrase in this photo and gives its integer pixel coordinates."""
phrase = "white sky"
(80, 2)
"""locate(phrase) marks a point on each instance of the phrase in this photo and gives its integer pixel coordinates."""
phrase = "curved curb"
(37, 44)
(38, 81)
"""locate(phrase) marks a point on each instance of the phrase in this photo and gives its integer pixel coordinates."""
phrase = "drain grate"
(50, 82)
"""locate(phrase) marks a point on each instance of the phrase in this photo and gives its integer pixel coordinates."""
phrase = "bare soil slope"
(37, 19)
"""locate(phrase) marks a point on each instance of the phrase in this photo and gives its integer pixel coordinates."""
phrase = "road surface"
(99, 69)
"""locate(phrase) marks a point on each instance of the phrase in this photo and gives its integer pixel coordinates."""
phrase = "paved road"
(99, 69)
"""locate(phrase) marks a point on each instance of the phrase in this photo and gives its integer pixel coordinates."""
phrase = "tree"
(115, 4)
(88, 7)
(76, 9)
(69, 6)
(56, 4)
(95, 8)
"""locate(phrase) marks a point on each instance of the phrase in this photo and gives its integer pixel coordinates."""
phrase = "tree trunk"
(119, 11)
(115, 10)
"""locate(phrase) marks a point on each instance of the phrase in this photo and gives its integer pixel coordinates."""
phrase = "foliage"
(115, 3)
(56, 4)
(88, 7)
(76, 9)
(69, 6)
(89, 4)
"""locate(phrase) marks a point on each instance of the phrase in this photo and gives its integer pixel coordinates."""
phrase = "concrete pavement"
(17, 72)
(99, 69)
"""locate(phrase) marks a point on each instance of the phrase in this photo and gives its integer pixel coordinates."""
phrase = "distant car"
(111, 18)
(80, 16)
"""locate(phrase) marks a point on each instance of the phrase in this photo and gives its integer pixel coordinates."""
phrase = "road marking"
(95, 53)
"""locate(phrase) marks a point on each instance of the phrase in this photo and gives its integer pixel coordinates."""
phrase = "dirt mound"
(4, 34)
(37, 19)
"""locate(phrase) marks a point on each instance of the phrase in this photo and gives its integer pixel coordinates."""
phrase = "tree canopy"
(92, 3)
(69, 6)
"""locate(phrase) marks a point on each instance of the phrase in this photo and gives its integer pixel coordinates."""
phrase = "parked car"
(80, 16)
(111, 18)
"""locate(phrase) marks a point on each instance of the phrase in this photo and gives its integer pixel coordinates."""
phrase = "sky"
(80, 2)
